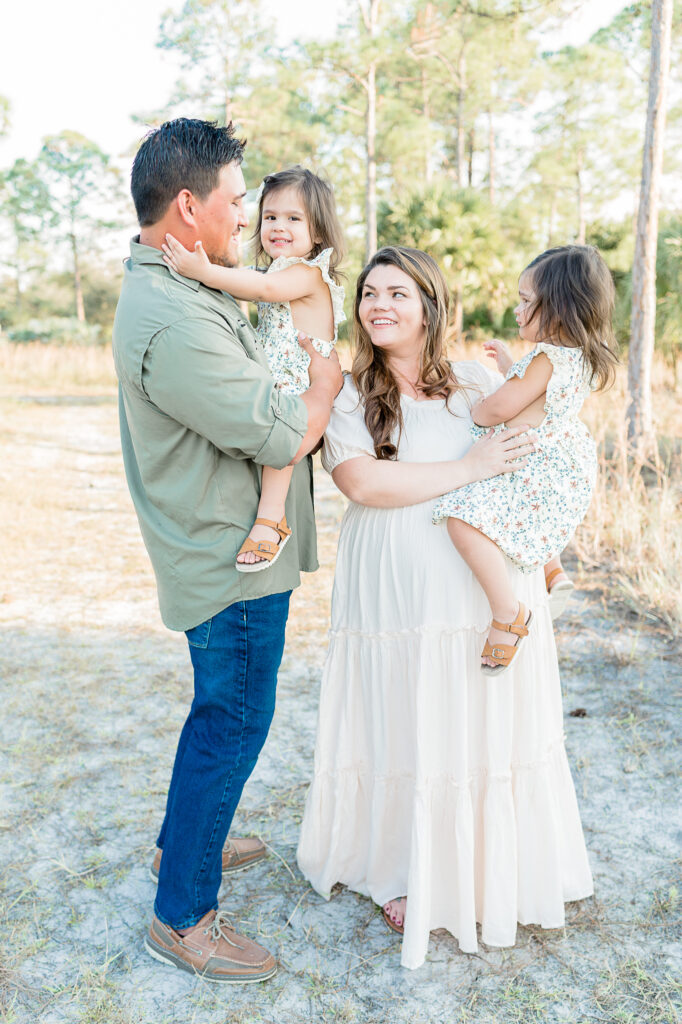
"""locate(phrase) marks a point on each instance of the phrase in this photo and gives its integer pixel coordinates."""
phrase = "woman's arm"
(514, 395)
(379, 483)
(284, 286)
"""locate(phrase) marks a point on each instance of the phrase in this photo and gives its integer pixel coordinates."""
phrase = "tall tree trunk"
(552, 218)
(371, 187)
(458, 313)
(643, 323)
(461, 90)
(582, 228)
(227, 95)
(471, 142)
(426, 114)
(491, 157)
(77, 283)
(18, 279)
(371, 18)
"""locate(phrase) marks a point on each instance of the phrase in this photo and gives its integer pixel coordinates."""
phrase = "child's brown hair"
(318, 200)
(574, 300)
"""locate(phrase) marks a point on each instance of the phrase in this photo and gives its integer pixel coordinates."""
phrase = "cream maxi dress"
(432, 780)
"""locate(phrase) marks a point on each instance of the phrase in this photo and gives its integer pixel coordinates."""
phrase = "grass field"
(94, 691)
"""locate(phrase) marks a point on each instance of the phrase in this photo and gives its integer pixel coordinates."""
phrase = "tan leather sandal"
(267, 549)
(559, 593)
(503, 654)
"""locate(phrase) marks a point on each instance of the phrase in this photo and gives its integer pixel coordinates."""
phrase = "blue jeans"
(235, 656)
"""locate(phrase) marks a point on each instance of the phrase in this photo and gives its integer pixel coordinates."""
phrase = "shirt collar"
(147, 254)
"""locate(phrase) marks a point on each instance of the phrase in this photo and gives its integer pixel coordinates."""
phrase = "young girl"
(567, 299)
(299, 233)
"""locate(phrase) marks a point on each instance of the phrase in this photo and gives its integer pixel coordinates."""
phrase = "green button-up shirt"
(199, 416)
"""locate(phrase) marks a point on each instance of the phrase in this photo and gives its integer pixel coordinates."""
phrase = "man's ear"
(186, 206)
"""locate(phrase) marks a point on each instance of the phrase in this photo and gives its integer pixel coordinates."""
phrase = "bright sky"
(88, 65)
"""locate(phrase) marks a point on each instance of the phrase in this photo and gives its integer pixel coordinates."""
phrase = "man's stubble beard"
(220, 260)
(223, 259)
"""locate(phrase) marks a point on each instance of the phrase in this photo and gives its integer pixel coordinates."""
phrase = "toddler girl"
(298, 232)
(567, 299)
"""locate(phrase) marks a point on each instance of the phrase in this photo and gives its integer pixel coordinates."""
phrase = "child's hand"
(190, 264)
(499, 352)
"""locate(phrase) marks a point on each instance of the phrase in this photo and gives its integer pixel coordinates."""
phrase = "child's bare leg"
(488, 565)
(274, 489)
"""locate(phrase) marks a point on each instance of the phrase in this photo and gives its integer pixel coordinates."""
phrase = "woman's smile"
(391, 310)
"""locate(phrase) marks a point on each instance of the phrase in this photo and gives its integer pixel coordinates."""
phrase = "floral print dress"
(532, 514)
(278, 337)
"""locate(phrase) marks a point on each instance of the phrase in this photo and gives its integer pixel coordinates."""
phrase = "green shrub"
(57, 330)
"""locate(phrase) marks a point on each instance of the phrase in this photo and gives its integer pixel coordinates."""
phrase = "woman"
(432, 783)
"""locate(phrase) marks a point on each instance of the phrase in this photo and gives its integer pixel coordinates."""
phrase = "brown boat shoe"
(237, 855)
(212, 949)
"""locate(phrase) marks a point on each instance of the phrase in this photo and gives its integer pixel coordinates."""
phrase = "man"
(199, 418)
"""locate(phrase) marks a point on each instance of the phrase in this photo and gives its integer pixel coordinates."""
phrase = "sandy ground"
(94, 691)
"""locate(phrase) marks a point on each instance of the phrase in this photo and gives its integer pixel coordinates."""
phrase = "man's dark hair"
(184, 153)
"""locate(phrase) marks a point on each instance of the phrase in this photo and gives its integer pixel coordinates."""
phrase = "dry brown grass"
(634, 528)
(57, 369)
(633, 531)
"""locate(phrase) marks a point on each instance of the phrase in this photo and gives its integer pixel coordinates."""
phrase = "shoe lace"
(220, 922)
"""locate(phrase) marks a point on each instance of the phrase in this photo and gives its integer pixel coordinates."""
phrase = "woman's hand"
(500, 453)
(189, 264)
(499, 352)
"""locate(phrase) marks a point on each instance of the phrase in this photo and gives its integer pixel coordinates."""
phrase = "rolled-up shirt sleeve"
(200, 375)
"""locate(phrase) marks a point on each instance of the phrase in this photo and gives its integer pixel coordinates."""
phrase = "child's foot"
(394, 913)
(504, 638)
(559, 588)
(263, 546)
(257, 534)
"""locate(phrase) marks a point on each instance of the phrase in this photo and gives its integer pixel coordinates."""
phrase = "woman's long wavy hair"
(574, 300)
(377, 386)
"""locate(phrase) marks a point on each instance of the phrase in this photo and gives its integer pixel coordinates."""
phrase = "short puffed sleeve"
(346, 436)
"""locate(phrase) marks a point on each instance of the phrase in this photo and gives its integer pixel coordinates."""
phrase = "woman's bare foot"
(259, 532)
(396, 910)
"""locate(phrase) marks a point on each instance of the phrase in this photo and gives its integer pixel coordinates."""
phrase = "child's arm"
(514, 395)
(284, 286)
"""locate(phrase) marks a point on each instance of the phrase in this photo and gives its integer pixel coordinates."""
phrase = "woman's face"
(391, 311)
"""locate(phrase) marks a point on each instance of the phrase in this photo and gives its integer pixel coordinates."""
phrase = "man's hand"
(499, 352)
(323, 372)
(326, 380)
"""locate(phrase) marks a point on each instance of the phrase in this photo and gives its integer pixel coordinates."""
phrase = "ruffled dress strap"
(566, 362)
(321, 261)
(570, 381)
